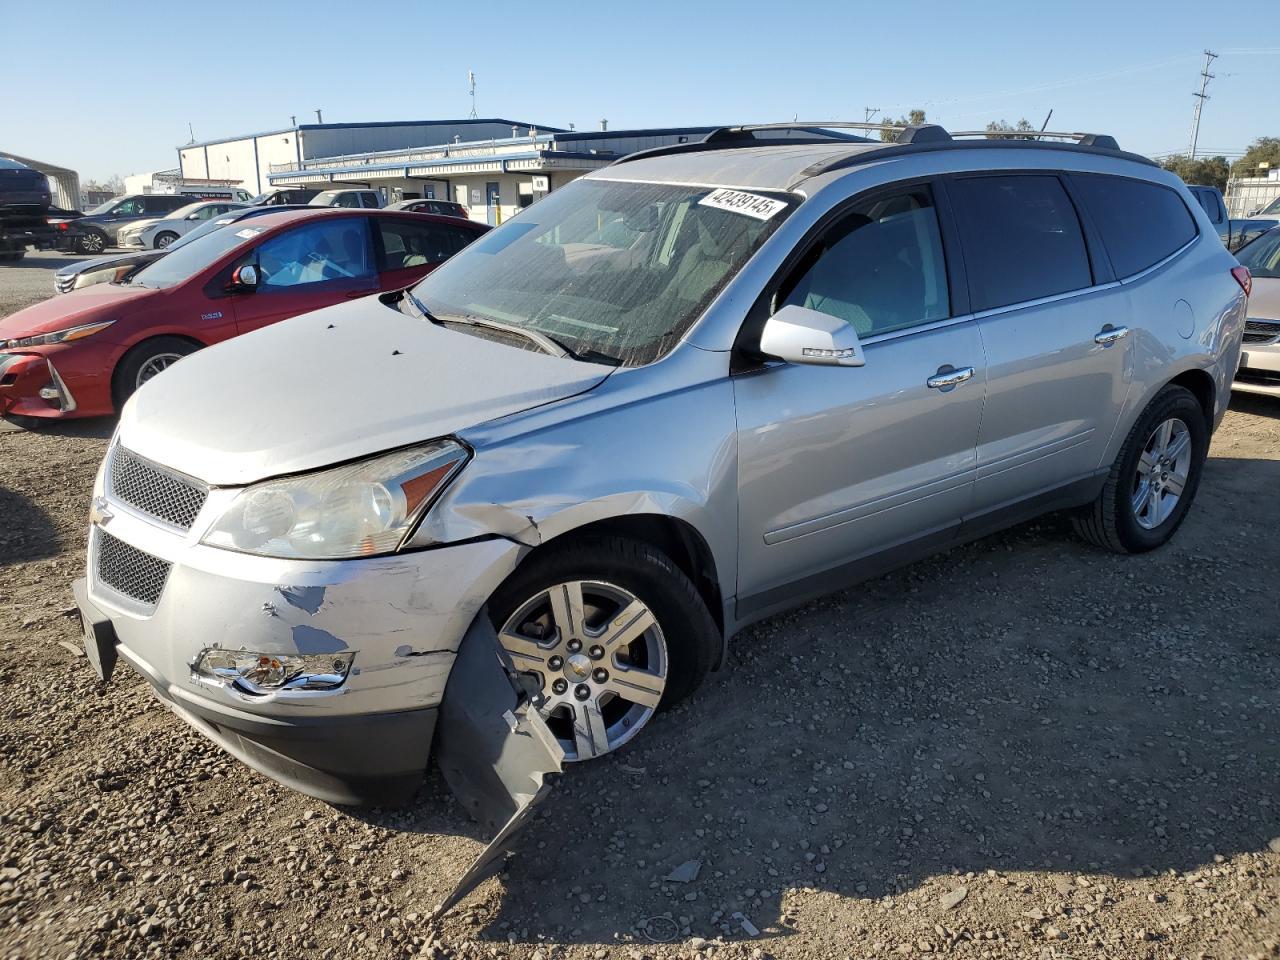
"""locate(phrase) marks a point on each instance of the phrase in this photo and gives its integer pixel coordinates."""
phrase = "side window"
(370, 200)
(128, 208)
(408, 244)
(880, 268)
(1022, 239)
(336, 249)
(1209, 201)
(1141, 223)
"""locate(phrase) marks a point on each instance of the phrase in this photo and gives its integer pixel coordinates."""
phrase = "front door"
(310, 266)
(1054, 333)
(493, 199)
(837, 464)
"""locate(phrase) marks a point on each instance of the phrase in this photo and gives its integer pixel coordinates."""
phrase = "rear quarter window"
(1141, 223)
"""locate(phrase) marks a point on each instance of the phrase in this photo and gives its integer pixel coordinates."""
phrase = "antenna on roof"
(293, 119)
(471, 79)
(319, 119)
(192, 132)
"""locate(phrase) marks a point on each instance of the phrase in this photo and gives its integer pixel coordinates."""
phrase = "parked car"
(524, 503)
(24, 210)
(441, 208)
(83, 354)
(286, 196)
(156, 234)
(97, 229)
(1259, 370)
(1234, 233)
(368, 199)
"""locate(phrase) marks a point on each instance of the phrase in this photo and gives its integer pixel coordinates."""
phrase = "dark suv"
(284, 197)
(97, 229)
(24, 205)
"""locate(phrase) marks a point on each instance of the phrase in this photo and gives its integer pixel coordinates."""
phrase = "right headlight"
(356, 510)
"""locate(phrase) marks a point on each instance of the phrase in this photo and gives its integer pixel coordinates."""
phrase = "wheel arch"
(134, 347)
(675, 537)
(1202, 386)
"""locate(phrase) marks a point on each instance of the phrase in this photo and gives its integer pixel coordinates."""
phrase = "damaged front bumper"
(165, 601)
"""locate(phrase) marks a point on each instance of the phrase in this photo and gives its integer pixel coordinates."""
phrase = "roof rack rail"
(924, 136)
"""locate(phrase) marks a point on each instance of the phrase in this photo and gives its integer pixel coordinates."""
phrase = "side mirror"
(245, 277)
(799, 335)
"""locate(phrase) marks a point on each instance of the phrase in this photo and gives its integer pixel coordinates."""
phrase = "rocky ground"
(1022, 748)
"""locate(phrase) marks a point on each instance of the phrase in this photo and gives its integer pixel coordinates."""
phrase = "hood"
(341, 383)
(71, 309)
(114, 260)
(1264, 301)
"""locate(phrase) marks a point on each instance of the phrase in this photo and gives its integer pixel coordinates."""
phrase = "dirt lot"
(1022, 748)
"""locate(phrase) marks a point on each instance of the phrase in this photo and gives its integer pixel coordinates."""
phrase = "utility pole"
(868, 113)
(1201, 97)
(471, 79)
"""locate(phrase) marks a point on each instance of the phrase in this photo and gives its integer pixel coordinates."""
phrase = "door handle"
(1109, 335)
(945, 379)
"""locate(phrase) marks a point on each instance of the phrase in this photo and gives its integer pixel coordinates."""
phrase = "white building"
(493, 178)
(1246, 194)
(492, 167)
(248, 159)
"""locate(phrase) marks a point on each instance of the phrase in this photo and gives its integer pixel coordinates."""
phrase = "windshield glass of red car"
(183, 263)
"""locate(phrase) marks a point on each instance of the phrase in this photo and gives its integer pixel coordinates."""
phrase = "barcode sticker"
(739, 201)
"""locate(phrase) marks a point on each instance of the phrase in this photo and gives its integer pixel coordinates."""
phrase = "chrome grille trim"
(1261, 331)
(163, 494)
(130, 571)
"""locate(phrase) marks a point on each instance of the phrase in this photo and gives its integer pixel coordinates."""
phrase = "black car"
(285, 196)
(24, 209)
(441, 208)
(97, 229)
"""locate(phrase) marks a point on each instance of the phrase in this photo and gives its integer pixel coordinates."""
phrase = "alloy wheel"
(92, 243)
(601, 659)
(154, 365)
(1161, 477)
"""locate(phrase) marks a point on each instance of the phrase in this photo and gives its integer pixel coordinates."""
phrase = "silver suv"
(529, 500)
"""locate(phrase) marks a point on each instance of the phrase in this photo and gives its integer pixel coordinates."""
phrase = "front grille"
(1261, 331)
(129, 570)
(63, 284)
(156, 492)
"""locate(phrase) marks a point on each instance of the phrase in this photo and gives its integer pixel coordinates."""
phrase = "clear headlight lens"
(58, 336)
(357, 510)
(253, 672)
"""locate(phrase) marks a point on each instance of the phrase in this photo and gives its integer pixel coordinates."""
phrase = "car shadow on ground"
(26, 531)
(50, 260)
(958, 715)
(1256, 403)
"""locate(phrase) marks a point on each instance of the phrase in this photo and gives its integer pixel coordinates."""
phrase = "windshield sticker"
(248, 233)
(739, 201)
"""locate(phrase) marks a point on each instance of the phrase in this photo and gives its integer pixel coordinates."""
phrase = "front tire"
(612, 631)
(1154, 479)
(164, 239)
(145, 361)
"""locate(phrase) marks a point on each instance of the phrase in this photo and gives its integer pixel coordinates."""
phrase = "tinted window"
(409, 244)
(371, 200)
(880, 268)
(336, 249)
(128, 208)
(1141, 223)
(1209, 200)
(1022, 239)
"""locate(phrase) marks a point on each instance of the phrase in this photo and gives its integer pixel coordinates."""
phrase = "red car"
(83, 354)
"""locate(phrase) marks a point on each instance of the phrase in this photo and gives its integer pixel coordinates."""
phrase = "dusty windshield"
(613, 271)
(1262, 256)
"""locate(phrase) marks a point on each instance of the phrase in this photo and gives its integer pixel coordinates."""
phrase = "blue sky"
(1122, 67)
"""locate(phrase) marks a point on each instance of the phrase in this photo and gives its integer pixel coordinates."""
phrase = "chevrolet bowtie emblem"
(99, 512)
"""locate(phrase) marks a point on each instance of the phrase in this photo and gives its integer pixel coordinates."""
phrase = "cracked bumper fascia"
(404, 615)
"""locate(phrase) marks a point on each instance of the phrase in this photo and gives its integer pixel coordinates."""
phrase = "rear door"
(410, 248)
(313, 265)
(1054, 328)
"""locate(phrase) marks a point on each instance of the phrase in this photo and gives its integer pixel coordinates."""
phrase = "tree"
(1209, 171)
(113, 185)
(912, 119)
(1263, 150)
(1000, 126)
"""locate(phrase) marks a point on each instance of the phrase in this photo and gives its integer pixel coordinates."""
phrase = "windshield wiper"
(545, 342)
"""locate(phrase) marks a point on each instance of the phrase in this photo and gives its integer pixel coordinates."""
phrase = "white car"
(156, 234)
(1259, 370)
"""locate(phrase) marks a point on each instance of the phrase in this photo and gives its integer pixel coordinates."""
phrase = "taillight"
(1244, 278)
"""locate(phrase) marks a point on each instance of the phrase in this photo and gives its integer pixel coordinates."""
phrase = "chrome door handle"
(1109, 335)
(950, 378)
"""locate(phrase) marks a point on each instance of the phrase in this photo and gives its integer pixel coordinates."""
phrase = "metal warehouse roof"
(364, 124)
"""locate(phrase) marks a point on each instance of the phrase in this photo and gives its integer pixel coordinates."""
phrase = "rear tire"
(615, 668)
(93, 241)
(1154, 479)
(145, 361)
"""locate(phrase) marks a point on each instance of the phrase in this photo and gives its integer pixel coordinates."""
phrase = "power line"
(1201, 97)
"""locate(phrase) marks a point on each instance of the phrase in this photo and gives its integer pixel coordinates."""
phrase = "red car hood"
(71, 309)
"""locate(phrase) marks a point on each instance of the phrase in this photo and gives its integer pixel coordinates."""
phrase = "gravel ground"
(1021, 748)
